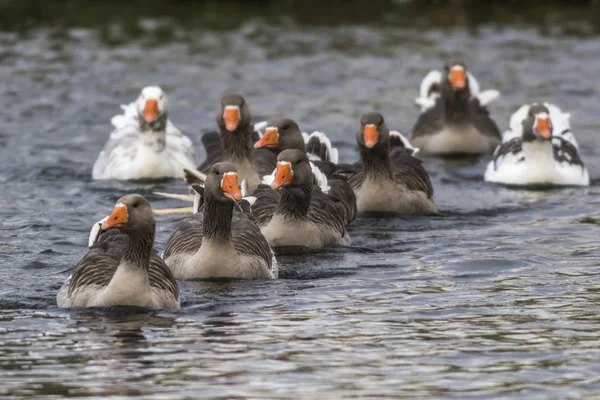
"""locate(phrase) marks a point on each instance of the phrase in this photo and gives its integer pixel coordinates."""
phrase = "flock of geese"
(269, 184)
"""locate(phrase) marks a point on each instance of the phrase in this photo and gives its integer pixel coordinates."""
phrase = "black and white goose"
(299, 213)
(121, 268)
(145, 144)
(218, 242)
(284, 134)
(388, 178)
(234, 142)
(458, 122)
(538, 149)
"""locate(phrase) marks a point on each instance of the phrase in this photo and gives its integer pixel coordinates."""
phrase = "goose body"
(218, 242)
(294, 210)
(388, 178)
(284, 134)
(539, 149)
(145, 144)
(454, 117)
(121, 268)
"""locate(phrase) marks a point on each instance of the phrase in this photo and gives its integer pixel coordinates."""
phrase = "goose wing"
(410, 171)
(265, 205)
(186, 237)
(98, 266)
(481, 120)
(327, 211)
(248, 240)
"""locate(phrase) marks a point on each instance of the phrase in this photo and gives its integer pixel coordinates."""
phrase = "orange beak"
(231, 116)
(457, 77)
(231, 186)
(370, 135)
(151, 110)
(118, 219)
(283, 175)
(542, 127)
(269, 140)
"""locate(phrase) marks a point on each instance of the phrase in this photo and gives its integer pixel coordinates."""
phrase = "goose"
(145, 144)
(285, 134)
(388, 178)
(458, 122)
(298, 213)
(120, 267)
(539, 149)
(233, 142)
(216, 241)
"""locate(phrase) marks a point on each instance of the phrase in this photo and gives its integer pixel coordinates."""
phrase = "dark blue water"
(496, 298)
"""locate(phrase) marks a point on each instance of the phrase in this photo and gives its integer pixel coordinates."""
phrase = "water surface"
(496, 298)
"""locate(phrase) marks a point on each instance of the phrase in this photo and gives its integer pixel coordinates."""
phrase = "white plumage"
(538, 162)
(136, 150)
(427, 97)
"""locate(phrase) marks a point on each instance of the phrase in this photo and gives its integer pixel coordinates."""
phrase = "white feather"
(260, 127)
(95, 232)
(331, 151)
(426, 99)
(320, 178)
(405, 141)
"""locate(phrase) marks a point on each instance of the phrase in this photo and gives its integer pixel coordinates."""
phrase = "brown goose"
(121, 268)
(457, 123)
(284, 134)
(299, 213)
(218, 242)
(233, 142)
(388, 179)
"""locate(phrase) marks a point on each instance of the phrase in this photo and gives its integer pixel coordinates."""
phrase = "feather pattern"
(536, 161)
(133, 152)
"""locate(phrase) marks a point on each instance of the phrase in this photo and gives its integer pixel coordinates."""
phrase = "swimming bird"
(121, 268)
(539, 149)
(145, 144)
(294, 210)
(388, 178)
(217, 241)
(234, 142)
(285, 134)
(455, 121)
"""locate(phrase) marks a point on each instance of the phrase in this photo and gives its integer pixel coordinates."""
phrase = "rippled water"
(496, 298)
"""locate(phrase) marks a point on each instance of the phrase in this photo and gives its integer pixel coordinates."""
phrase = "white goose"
(538, 150)
(145, 144)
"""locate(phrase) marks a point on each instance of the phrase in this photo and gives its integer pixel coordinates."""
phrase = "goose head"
(153, 108)
(455, 75)
(293, 170)
(282, 134)
(222, 183)
(132, 214)
(537, 125)
(233, 113)
(373, 132)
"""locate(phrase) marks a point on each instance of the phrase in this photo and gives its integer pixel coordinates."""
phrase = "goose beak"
(370, 135)
(457, 77)
(542, 126)
(118, 219)
(283, 175)
(231, 186)
(270, 139)
(151, 110)
(231, 116)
